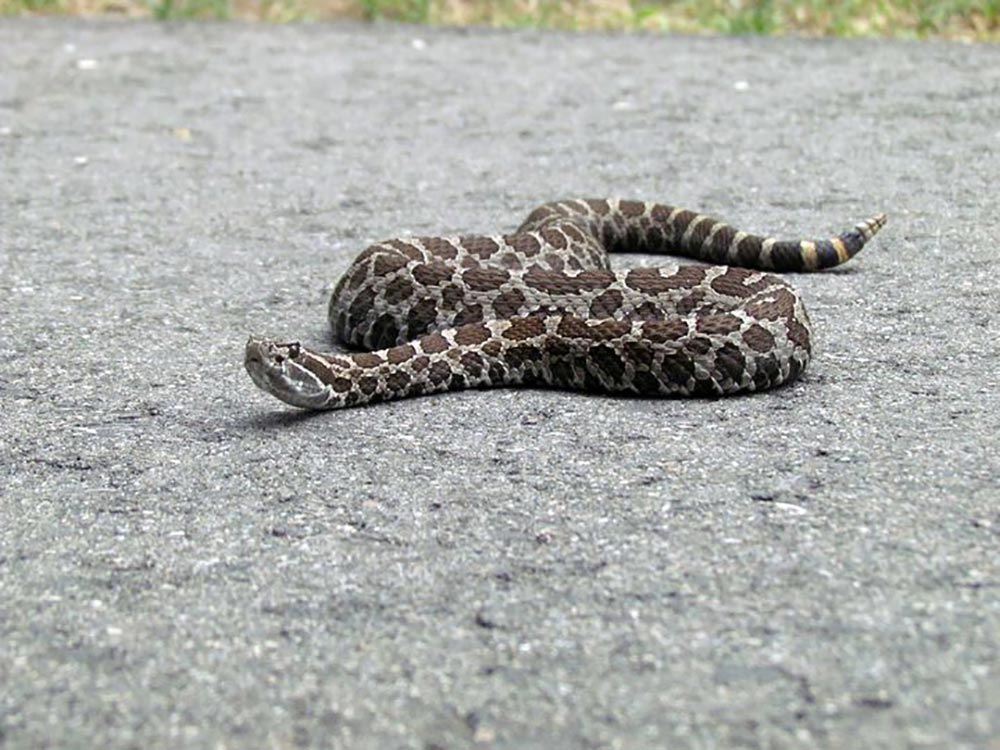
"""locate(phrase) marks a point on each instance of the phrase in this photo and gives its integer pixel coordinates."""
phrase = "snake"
(542, 307)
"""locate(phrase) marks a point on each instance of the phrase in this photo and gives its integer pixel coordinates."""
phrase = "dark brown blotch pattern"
(432, 274)
(720, 324)
(524, 328)
(399, 354)
(420, 317)
(433, 343)
(469, 314)
(407, 249)
(387, 263)
(439, 372)
(485, 279)
(758, 338)
(654, 281)
(385, 331)
(439, 247)
(480, 247)
(554, 238)
(631, 209)
(472, 335)
(509, 304)
(426, 285)
(525, 244)
(398, 290)
(606, 304)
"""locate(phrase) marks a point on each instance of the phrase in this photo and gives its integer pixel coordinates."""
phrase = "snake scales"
(542, 307)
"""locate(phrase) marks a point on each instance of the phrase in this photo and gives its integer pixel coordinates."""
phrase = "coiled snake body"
(542, 307)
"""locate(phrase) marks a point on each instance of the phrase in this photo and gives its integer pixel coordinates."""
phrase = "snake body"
(542, 307)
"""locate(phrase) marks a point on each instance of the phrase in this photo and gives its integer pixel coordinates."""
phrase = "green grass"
(35, 6)
(408, 11)
(168, 9)
(965, 19)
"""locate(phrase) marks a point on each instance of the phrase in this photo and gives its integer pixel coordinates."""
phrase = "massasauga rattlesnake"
(542, 307)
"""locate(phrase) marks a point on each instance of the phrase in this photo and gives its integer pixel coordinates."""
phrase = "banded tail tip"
(868, 229)
(815, 256)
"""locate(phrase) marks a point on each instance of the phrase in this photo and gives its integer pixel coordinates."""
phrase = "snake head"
(280, 370)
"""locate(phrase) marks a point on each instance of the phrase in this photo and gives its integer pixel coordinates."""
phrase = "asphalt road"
(186, 562)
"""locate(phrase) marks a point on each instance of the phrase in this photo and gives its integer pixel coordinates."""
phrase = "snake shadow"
(277, 419)
(289, 417)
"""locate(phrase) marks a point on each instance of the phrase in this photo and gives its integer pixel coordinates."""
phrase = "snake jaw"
(274, 367)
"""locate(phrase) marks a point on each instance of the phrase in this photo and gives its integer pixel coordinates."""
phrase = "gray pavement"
(186, 562)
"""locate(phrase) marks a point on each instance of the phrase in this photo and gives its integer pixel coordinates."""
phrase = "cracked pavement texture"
(186, 562)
